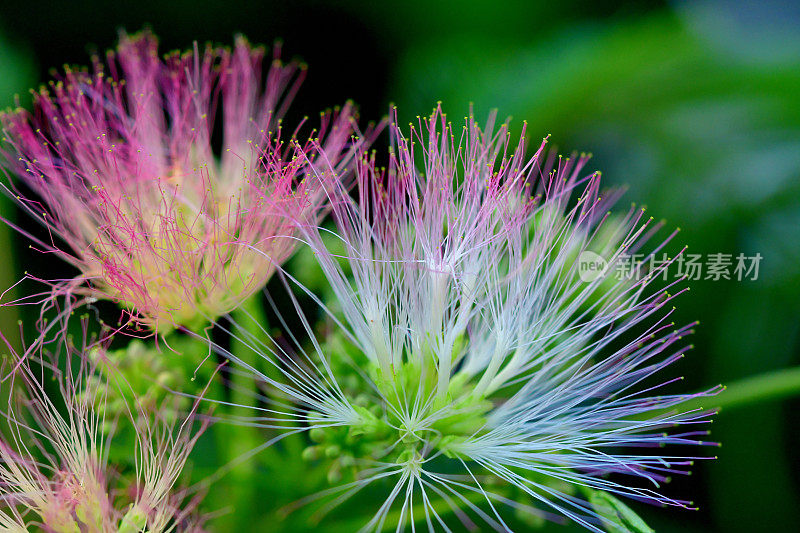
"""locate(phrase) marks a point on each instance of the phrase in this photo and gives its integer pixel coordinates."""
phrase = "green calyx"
(134, 521)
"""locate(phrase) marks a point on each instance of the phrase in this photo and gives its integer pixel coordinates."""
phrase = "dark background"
(694, 105)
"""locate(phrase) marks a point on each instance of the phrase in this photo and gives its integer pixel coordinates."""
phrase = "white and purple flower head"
(120, 162)
(472, 365)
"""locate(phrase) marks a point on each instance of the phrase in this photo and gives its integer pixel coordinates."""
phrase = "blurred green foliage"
(17, 72)
(694, 106)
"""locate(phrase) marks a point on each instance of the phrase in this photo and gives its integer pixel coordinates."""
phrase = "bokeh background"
(695, 106)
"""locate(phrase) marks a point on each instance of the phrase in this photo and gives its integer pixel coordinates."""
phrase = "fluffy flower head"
(54, 471)
(121, 162)
(474, 363)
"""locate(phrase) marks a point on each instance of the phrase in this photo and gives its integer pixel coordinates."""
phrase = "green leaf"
(616, 516)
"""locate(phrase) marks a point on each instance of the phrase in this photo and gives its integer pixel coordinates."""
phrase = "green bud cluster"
(137, 378)
(381, 432)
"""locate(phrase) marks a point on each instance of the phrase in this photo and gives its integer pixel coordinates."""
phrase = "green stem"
(242, 383)
(767, 387)
(9, 314)
(237, 441)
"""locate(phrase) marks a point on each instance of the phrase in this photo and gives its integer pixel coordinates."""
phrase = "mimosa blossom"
(121, 162)
(54, 467)
(473, 367)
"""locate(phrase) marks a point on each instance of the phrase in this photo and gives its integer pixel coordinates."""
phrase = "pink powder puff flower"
(122, 168)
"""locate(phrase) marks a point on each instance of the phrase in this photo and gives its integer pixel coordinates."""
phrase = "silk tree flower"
(122, 168)
(54, 471)
(473, 367)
